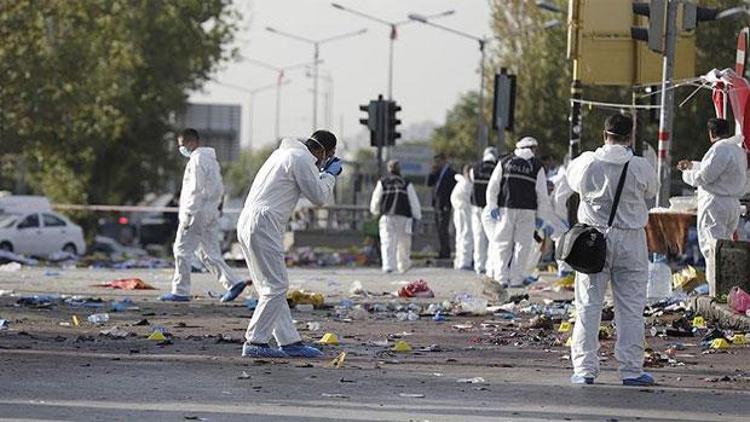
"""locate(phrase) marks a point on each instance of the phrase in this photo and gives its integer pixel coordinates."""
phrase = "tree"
(458, 136)
(88, 89)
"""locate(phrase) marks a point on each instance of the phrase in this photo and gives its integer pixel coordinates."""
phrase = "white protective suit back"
(594, 175)
(202, 186)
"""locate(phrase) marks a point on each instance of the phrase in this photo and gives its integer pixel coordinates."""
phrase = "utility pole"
(666, 119)
(576, 121)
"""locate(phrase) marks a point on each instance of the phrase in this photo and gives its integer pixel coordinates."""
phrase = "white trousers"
(464, 237)
(627, 268)
(395, 242)
(260, 237)
(200, 239)
(492, 266)
(717, 219)
(515, 236)
(480, 240)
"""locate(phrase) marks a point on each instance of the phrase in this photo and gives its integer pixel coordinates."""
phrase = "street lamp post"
(316, 59)
(393, 34)
(482, 129)
(251, 101)
(280, 71)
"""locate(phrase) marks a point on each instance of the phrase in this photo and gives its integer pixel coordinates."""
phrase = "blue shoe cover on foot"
(171, 297)
(645, 379)
(233, 292)
(299, 350)
(261, 351)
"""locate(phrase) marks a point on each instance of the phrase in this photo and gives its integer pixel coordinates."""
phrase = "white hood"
(207, 152)
(524, 153)
(616, 154)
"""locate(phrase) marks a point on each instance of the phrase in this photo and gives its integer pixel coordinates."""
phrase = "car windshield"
(7, 220)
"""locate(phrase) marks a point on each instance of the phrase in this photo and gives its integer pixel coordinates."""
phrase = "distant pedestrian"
(442, 180)
(461, 202)
(396, 202)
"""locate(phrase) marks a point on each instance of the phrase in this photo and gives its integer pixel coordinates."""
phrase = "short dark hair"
(190, 134)
(619, 127)
(325, 139)
(718, 128)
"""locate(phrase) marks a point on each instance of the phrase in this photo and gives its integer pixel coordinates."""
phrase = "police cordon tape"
(126, 208)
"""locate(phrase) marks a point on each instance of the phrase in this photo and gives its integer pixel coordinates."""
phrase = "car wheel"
(70, 248)
(6, 246)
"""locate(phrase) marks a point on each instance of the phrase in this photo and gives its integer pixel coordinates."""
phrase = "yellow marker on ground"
(720, 343)
(76, 321)
(739, 339)
(329, 339)
(401, 347)
(565, 327)
(157, 336)
(699, 322)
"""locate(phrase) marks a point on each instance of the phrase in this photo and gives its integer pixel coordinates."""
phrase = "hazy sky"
(431, 67)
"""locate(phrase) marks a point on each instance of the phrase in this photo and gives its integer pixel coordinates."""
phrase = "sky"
(431, 67)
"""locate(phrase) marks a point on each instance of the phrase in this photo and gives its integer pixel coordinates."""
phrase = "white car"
(40, 233)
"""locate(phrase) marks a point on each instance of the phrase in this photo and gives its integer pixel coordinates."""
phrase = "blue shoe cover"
(581, 379)
(261, 351)
(299, 350)
(644, 380)
(171, 297)
(233, 292)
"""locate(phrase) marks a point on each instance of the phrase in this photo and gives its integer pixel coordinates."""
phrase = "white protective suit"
(198, 232)
(288, 173)
(462, 215)
(395, 230)
(720, 178)
(560, 196)
(594, 175)
(480, 230)
(514, 230)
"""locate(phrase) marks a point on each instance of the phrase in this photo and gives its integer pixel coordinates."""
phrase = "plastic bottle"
(98, 318)
(659, 279)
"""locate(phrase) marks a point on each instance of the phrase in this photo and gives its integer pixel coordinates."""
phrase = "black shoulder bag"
(584, 247)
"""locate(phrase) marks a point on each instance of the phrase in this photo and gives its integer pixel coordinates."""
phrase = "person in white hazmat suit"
(721, 180)
(198, 230)
(518, 200)
(479, 175)
(462, 210)
(397, 203)
(298, 167)
(560, 196)
(595, 176)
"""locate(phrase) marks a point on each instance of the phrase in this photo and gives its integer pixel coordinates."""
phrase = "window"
(52, 221)
(31, 221)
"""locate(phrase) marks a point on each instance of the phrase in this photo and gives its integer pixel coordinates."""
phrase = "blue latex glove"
(539, 223)
(334, 167)
(495, 214)
(548, 230)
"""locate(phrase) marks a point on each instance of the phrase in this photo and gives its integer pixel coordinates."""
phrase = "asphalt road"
(50, 371)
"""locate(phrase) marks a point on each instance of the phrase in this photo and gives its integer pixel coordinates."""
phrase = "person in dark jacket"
(442, 180)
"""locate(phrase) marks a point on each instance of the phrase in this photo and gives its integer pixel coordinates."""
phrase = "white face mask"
(184, 151)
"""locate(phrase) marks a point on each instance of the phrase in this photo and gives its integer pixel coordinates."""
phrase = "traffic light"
(692, 14)
(656, 12)
(391, 122)
(373, 121)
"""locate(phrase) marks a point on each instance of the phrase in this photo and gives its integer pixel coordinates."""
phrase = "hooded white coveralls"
(395, 230)
(514, 230)
(198, 232)
(480, 227)
(462, 215)
(720, 178)
(289, 172)
(560, 195)
(594, 175)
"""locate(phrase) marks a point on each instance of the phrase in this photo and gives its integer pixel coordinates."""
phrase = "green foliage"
(239, 175)
(89, 86)
(458, 136)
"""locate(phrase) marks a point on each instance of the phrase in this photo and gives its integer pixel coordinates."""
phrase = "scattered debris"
(97, 319)
(329, 339)
(475, 380)
(127, 284)
(418, 288)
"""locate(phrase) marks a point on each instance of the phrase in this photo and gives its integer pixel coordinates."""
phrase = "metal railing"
(350, 217)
